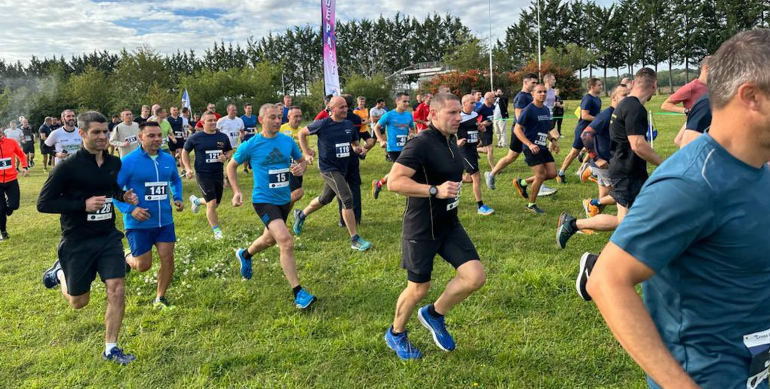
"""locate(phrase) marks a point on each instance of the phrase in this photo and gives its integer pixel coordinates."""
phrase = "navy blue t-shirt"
(486, 113)
(177, 125)
(207, 148)
(699, 118)
(601, 125)
(536, 122)
(592, 104)
(249, 126)
(521, 101)
(334, 148)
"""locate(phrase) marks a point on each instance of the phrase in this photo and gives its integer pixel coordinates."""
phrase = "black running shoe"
(50, 280)
(534, 209)
(520, 188)
(587, 263)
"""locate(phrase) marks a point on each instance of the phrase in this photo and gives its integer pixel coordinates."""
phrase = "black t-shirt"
(28, 133)
(629, 118)
(207, 148)
(469, 130)
(140, 120)
(699, 118)
(44, 130)
(436, 160)
(334, 148)
(177, 125)
(558, 111)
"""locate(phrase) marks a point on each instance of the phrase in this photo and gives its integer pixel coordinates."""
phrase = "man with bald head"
(468, 136)
(337, 143)
(487, 112)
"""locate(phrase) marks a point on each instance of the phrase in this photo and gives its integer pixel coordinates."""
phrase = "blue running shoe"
(304, 299)
(489, 178)
(485, 210)
(116, 355)
(245, 264)
(376, 188)
(360, 244)
(298, 223)
(437, 328)
(402, 346)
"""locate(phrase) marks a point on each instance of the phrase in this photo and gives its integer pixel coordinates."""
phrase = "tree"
(470, 55)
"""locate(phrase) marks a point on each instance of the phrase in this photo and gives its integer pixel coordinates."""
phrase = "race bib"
(248, 130)
(473, 137)
(212, 156)
(155, 191)
(5, 163)
(279, 178)
(342, 150)
(27, 138)
(179, 134)
(758, 344)
(456, 201)
(71, 149)
(103, 213)
(541, 139)
(131, 140)
(401, 140)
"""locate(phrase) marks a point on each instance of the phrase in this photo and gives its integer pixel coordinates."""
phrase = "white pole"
(491, 73)
(538, 41)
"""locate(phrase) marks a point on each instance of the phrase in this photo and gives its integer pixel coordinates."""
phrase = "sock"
(432, 312)
(480, 204)
(382, 182)
(246, 254)
(595, 202)
(560, 172)
(573, 224)
(394, 333)
(531, 205)
(523, 183)
(296, 290)
(108, 347)
(215, 228)
(354, 238)
(302, 215)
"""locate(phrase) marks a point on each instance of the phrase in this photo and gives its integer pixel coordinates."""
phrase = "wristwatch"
(686, 111)
(433, 191)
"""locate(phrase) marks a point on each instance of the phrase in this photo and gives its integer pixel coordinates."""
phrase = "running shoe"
(304, 299)
(360, 244)
(437, 328)
(485, 210)
(401, 345)
(376, 188)
(560, 177)
(564, 230)
(587, 263)
(246, 271)
(489, 178)
(116, 355)
(218, 235)
(590, 209)
(4, 235)
(534, 209)
(50, 280)
(162, 303)
(298, 223)
(520, 188)
(586, 174)
(194, 207)
(581, 156)
(546, 191)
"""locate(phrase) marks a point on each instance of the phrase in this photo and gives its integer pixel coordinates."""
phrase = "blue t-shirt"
(285, 118)
(249, 126)
(486, 113)
(270, 160)
(536, 122)
(592, 104)
(334, 148)
(699, 118)
(708, 246)
(207, 149)
(601, 125)
(521, 101)
(397, 128)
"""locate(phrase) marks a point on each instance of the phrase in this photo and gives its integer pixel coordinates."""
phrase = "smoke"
(29, 97)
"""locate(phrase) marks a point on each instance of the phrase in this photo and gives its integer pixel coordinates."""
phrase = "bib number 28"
(103, 213)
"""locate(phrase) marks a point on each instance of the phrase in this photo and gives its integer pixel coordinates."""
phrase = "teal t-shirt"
(702, 223)
(270, 160)
(397, 127)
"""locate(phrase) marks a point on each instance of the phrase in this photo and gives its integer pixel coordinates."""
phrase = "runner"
(28, 142)
(151, 172)
(698, 121)
(699, 246)
(17, 135)
(48, 152)
(420, 113)
(487, 112)
(274, 157)
(428, 172)
(10, 152)
(688, 94)
(231, 125)
(287, 104)
(65, 140)
(179, 125)
(143, 116)
(212, 149)
(590, 106)
(353, 172)
(399, 127)
(363, 113)
(249, 129)
(534, 130)
(165, 128)
(377, 111)
(111, 126)
(336, 139)
(125, 136)
(628, 165)
(291, 128)
(81, 188)
(467, 141)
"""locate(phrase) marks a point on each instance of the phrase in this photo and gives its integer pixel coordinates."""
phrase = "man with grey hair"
(81, 188)
(698, 245)
(65, 140)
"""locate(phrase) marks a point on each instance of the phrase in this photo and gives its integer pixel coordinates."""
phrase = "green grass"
(526, 328)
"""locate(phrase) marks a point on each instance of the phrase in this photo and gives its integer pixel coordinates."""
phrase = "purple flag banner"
(331, 75)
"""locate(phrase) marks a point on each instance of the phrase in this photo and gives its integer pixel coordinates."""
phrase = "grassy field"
(526, 328)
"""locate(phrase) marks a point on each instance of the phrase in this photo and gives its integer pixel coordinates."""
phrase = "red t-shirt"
(689, 94)
(322, 115)
(421, 113)
(200, 122)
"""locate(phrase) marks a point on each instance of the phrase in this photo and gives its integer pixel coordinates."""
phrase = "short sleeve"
(586, 103)
(242, 154)
(519, 103)
(295, 152)
(227, 146)
(681, 94)
(636, 121)
(315, 127)
(190, 144)
(384, 119)
(669, 215)
(411, 156)
(525, 118)
(700, 117)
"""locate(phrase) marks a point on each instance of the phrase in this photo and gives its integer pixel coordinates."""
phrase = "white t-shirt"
(498, 114)
(64, 141)
(232, 128)
(376, 112)
(550, 99)
(16, 134)
(125, 132)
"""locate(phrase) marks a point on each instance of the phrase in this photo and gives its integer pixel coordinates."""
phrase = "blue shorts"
(577, 143)
(141, 240)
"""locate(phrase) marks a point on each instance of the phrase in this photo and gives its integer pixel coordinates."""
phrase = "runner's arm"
(232, 176)
(114, 139)
(643, 150)
(671, 107)
(378, 132)
(124, 177)
(20, 154)
(51, 199)
(176, 185)
(186, 160)
(400, 181)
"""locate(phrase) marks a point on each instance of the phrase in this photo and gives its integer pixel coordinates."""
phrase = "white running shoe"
(218, 235)
(546, 191)
(194, 207)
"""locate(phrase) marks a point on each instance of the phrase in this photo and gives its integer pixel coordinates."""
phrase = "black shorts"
(28, 148)
(392, 156)
(211, 187)
(269, 212)
(173, 147)
(487, 136)
(295, 182)
(417, 254)
(364, 135)
(46, 150)
(516, 146)
(81, 259)
(470, 159)
(541, 158)
(625, 189)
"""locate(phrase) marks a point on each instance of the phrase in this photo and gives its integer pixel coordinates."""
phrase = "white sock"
(108, 347)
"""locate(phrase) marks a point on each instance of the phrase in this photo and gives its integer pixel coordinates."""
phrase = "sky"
(73, 27)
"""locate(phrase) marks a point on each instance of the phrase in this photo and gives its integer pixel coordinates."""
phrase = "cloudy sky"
(67, 27)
